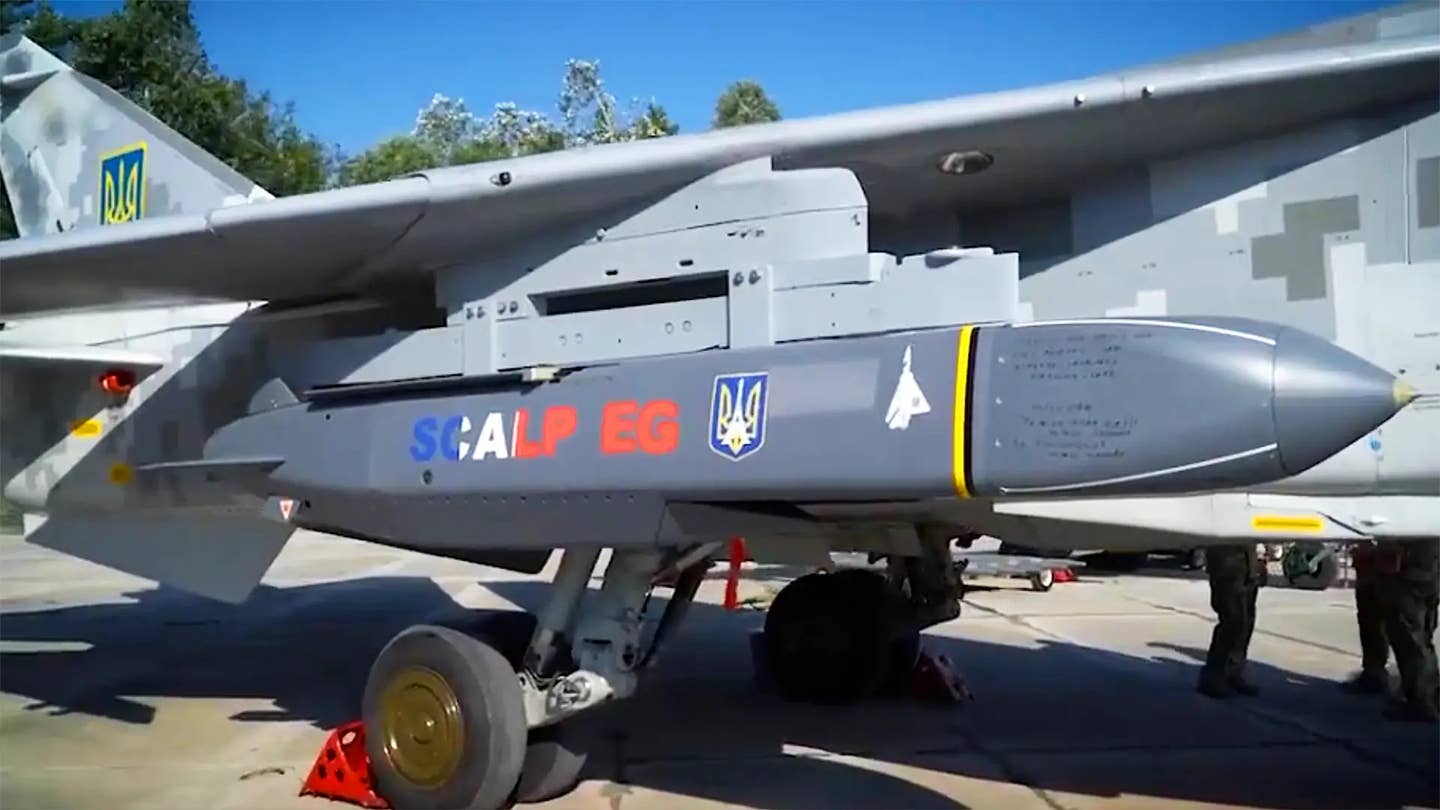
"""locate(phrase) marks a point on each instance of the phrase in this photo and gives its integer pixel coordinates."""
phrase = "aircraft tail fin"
(218, 555)
(77, 154)
(69, 463)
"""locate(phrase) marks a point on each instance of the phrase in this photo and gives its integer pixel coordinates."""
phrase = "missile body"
(1084, 408)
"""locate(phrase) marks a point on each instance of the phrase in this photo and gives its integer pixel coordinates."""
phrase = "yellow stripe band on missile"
(1287, 523)
(960, 457)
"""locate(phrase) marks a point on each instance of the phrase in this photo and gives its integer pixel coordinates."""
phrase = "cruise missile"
(1097, 407)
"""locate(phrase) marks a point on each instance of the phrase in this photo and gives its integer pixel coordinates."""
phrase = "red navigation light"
(117, 381)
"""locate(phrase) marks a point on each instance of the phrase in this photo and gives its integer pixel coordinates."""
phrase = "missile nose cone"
(1326, 398)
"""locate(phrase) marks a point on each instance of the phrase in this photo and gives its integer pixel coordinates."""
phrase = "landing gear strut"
(453, 722)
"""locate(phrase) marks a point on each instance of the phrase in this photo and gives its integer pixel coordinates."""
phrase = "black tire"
(835, 638)
(1195, 559)
(1297, 572)
(553, 762)
(1042, 580)
(904, 654)
(490, 721)
(905, 638)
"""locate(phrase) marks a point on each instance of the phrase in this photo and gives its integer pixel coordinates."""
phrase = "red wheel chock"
(934, 678)
(1064, 575)
(738, 554)
(342, 771)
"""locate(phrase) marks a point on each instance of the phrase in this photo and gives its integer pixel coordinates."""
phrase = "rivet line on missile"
(960, 459)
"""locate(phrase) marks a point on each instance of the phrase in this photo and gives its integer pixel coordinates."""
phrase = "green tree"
(744, 102)
(13, 13)
(51, 29)
(654, 122)
(445, 125)
(520, 132)
(478, 150)
(591, 115)
(17, 14)
(389, 159)
(447, 134)
(586, 107)
(150, 52)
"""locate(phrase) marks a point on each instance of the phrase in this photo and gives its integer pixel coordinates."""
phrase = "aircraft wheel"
(834, 638)
(1042, 580)
(904, 655)
(1195, 559)
(444, 720)
(553, 761)
(1296, 565)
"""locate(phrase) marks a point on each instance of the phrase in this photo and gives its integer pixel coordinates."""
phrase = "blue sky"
(358, 70)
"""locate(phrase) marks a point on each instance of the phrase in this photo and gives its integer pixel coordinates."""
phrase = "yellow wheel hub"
(421, 726)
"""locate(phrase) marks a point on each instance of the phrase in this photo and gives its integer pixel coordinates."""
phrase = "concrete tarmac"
(116, 694)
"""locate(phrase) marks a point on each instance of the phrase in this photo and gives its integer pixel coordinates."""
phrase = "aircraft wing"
(78, 356)
(373, 237)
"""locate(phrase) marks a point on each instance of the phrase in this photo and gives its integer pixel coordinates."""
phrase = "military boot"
(1241, 686)
(1368, 682)
(1412, 712)
(1213, 685)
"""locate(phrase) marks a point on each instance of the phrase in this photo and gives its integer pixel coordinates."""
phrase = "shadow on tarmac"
(1053, 715)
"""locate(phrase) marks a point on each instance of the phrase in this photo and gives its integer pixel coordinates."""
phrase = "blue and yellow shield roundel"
(122, 184)
(737, 414)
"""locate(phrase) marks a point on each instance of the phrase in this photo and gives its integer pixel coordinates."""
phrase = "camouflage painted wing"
(226, 243)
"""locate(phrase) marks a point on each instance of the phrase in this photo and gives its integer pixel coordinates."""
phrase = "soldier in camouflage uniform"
(1236, 574)
(1410, 594)
(1370, 617)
